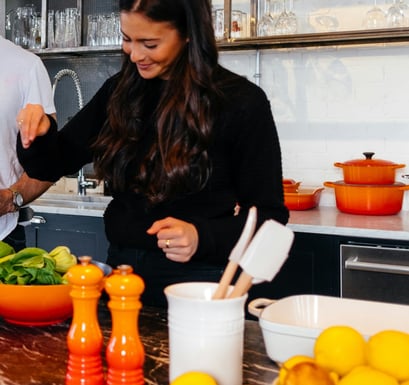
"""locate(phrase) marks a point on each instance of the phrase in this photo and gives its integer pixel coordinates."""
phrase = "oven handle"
(353, 263)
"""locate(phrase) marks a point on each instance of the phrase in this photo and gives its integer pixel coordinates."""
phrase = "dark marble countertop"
(38, 355)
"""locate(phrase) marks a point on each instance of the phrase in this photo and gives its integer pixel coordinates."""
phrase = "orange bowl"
(35, 305)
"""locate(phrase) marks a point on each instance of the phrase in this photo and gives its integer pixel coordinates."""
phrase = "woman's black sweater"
(245, 161)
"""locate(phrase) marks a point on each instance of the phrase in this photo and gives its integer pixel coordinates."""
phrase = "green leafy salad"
(34, 266)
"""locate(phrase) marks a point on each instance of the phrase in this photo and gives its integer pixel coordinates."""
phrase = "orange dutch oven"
(368, 170)
(368, 199)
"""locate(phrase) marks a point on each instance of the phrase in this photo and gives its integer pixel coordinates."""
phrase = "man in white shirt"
(23, 79)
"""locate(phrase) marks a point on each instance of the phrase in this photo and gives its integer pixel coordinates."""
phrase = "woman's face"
(151, 45)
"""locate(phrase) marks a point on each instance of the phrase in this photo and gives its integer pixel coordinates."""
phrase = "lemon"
(291, 362)
(388, 351)
(340, 349)
(194, 378)
(308, 373)
(366, 375)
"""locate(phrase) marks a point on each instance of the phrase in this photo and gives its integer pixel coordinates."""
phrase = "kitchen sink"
(98, 202)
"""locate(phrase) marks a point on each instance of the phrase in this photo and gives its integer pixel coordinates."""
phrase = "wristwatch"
(17, 199)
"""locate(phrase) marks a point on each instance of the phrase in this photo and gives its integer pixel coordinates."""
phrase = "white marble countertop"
(321, 220)
(329, 220)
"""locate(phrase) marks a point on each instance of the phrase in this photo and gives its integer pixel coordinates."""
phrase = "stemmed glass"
(266, 23)
(287, 20)
(374, 18)
(396, 15)
(405, 9)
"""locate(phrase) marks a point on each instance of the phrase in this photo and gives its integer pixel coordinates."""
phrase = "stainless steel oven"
(375, 272)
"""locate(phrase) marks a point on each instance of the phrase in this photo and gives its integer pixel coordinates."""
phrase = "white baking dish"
(291, 325)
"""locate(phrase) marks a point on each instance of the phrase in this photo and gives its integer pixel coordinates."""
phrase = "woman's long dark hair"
(175, 159)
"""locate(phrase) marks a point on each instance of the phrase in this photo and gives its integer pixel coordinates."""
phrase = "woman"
(181, 141)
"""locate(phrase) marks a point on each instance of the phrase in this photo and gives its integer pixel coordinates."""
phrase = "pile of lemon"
(348, 359)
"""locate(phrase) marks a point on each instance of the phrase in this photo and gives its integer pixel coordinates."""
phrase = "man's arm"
(29, 188)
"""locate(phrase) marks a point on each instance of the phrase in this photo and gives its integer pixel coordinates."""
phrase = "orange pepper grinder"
(125, 353)
(84, 338)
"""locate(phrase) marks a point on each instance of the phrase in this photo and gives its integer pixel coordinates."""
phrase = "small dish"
(303, 199)
(290, 185)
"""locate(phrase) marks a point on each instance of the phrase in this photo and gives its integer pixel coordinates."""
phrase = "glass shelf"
(302, 39)
(395, 35)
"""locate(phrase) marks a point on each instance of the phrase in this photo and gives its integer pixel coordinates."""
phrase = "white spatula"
(264, 256)
(236, 253)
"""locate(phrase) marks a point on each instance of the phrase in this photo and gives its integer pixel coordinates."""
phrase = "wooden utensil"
(236, 254)
(264, 256)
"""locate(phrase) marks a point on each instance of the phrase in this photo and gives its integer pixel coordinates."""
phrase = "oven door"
(375, 273)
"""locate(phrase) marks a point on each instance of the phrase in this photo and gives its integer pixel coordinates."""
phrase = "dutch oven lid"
(369, 162)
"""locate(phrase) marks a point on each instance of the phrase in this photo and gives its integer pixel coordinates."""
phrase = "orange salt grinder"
(84, 337)
(125, 353)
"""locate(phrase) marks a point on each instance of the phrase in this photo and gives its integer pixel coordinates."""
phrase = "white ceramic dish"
(291, 325)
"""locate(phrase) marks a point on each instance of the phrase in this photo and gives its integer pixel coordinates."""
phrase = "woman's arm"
(49, 154)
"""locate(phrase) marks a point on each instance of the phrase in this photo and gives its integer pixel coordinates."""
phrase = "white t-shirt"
(23, 79)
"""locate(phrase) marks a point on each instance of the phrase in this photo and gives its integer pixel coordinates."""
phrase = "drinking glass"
(287, 21)
(374, 18)
(266, 23)
(21, 26)
(50, 29)
(72, 27)
(116, 29)
(396, 16)
(104, 29)
(35, 37)
(92, 30)
(405, 9)
(59, 38)
(218, 23)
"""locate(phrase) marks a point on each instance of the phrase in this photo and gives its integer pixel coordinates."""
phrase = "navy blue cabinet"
(84, 235)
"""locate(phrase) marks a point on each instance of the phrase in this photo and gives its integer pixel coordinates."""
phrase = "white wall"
(331, 104)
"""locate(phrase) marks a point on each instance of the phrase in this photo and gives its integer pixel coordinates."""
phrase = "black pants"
(157, 271)
(17, 238)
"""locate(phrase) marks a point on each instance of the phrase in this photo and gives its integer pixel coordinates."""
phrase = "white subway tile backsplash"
(331, 104)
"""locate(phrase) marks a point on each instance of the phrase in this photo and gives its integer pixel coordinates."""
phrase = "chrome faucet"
(73, 75)
(83, 183)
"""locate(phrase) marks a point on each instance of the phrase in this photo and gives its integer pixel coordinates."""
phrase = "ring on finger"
(167, 243)
(20, 122)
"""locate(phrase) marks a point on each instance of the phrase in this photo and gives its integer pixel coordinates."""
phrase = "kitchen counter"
(329, 220)
(321, 220)
(38, 355)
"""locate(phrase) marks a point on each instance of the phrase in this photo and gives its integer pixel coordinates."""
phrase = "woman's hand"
(32, 122)
(178, 239)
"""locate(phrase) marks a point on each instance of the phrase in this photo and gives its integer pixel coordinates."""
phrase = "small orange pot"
(303, 199)
(368, 170)
(368, 199)
(290, 185)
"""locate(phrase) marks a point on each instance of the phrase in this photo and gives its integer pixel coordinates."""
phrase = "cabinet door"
(83, 235)
(312, 267)
(295, 276)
